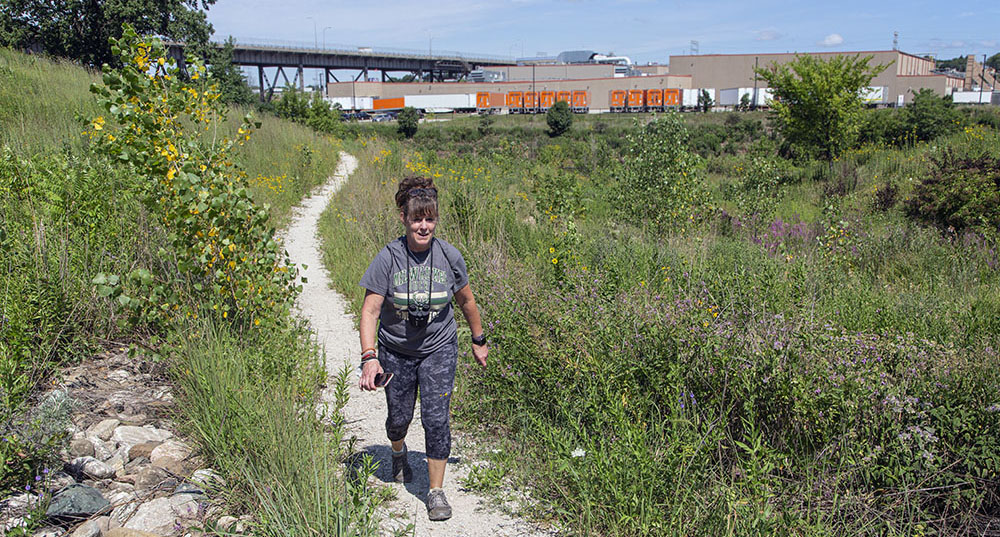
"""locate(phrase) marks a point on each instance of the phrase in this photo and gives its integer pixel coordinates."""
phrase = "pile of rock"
(125, 472)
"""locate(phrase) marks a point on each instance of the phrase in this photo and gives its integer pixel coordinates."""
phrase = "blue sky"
(646, 30)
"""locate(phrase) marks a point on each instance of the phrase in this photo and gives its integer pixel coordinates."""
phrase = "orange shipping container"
(515, 99)
(654, 98)
(617, 99)
(486, 100)
(548, 98)
(531, 99)
(671, 97)
(635, 99)
(564, 96)
(394, 103)
(581, 100)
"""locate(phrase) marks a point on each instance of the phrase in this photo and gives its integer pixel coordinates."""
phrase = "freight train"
(579, 101)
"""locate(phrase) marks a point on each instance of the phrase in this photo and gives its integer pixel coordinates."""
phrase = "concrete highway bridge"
(279, 56)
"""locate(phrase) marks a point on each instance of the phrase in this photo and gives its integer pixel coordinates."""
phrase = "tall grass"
(250, 406)
(824, 371)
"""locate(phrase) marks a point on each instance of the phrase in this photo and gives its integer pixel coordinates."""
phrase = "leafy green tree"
(293, 105)
(80, 29)
(559, 118)
(408, 120)
(817, 103)
(322, 117)
(744, 102)
(229, 77)
(994, 61)
(930, 116)
(659, 183)
(957, 64)
(705, 101)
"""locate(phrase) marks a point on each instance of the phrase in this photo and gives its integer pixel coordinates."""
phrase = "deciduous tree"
(408, 120)
(559, 118)
(818, 104)
(80, 29)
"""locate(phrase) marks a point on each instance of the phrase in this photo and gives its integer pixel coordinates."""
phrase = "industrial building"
(727, 77)
(905, 73)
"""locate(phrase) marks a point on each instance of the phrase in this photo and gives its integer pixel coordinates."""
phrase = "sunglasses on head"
(417, 192)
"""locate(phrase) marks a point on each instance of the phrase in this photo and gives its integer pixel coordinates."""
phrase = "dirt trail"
(327, 312)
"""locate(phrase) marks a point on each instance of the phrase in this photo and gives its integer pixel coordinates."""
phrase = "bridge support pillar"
(302, 78)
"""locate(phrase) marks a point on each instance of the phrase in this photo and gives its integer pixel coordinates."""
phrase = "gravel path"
(327, 312)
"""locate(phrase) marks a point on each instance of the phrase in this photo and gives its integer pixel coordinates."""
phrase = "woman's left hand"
(480, 352)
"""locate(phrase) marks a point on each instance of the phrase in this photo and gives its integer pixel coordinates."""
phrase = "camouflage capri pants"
(434, 375)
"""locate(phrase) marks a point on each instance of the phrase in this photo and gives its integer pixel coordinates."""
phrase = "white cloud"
(767, 35)
(831, 40)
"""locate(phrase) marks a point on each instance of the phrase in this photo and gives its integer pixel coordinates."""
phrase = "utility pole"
(315, 33)
(982, 79)
(753, 105)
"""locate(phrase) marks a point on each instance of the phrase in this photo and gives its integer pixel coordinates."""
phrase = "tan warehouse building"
(904, 74)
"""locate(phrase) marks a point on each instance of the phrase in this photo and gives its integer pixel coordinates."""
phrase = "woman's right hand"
(368, 372)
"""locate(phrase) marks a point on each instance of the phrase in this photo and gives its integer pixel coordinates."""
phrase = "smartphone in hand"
(381, 379)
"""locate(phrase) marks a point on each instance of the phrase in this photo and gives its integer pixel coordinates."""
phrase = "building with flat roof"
(905, 73)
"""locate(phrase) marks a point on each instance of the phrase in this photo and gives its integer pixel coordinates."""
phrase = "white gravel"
(327, 312)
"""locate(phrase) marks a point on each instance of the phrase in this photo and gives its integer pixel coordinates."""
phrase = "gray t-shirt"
(387, 276)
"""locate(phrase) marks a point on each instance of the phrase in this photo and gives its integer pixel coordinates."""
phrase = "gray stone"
(104, 429)
(21, 502)
(124, 504)
(150, 478)
(104, 523)
(77, 502)
(207, 478)
(59, 480)
(161, 515)
(133, 419)
(118, 375)
(143, 450)
(189, 488)
(126, 532)
(120, 486)
(116, 464)
(102, 450)
(226, 522)
(81, 447)
(169, 451)
(90, 467)
(13, 522)
(131, 435)
(89, 528)
(48, 532)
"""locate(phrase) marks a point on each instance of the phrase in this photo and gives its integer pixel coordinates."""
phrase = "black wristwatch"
(479, 341)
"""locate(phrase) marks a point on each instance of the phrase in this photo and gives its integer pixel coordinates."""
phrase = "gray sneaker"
(437, 505)
(401, 471)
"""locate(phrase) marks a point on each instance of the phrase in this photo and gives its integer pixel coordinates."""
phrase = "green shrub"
(559, 118)
(960, 193)
(929, 116)
(660, 183)
(408, 120)
(884, 126)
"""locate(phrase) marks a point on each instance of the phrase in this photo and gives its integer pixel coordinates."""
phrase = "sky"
(647, 31)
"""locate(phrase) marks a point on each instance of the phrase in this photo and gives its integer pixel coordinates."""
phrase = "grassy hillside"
(103, 241)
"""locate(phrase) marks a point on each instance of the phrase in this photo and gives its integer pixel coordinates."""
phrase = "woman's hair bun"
(409, 183)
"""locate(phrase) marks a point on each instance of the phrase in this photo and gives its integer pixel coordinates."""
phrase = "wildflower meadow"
(721, 344)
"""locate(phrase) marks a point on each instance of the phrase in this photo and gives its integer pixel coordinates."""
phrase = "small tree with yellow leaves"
(222, 258)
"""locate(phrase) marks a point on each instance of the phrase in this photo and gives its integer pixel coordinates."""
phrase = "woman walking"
(409, 289)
